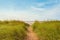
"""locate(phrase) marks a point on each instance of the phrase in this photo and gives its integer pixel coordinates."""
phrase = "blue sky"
(30, 10)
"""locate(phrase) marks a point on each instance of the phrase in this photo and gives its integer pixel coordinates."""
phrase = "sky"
(29, 10)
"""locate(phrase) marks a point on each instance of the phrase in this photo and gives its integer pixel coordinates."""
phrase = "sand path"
(30, 34)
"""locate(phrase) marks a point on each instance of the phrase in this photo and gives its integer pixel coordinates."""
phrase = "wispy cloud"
(30, 10)
(47, 13)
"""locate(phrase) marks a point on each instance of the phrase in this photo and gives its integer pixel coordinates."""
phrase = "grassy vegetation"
(47, 30)
(13, 30)
(17, 30)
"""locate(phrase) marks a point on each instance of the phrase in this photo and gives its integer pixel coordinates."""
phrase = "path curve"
(30, 34)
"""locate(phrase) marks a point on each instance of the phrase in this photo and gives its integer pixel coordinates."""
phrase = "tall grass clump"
(47, 30)
(13, 30)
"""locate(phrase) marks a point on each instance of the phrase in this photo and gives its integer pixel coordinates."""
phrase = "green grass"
(47, 30)
(13, 30)
(16, 30)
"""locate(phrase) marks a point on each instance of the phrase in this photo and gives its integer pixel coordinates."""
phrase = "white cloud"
(31, 15)
(34, 13)
(47, 14)
(37, 9)
(18, 15)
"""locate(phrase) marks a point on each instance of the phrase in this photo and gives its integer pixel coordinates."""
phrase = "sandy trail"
(31, 35)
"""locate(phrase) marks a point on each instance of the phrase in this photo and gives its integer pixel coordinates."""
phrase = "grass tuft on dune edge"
(47, 30)
(13, 30)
